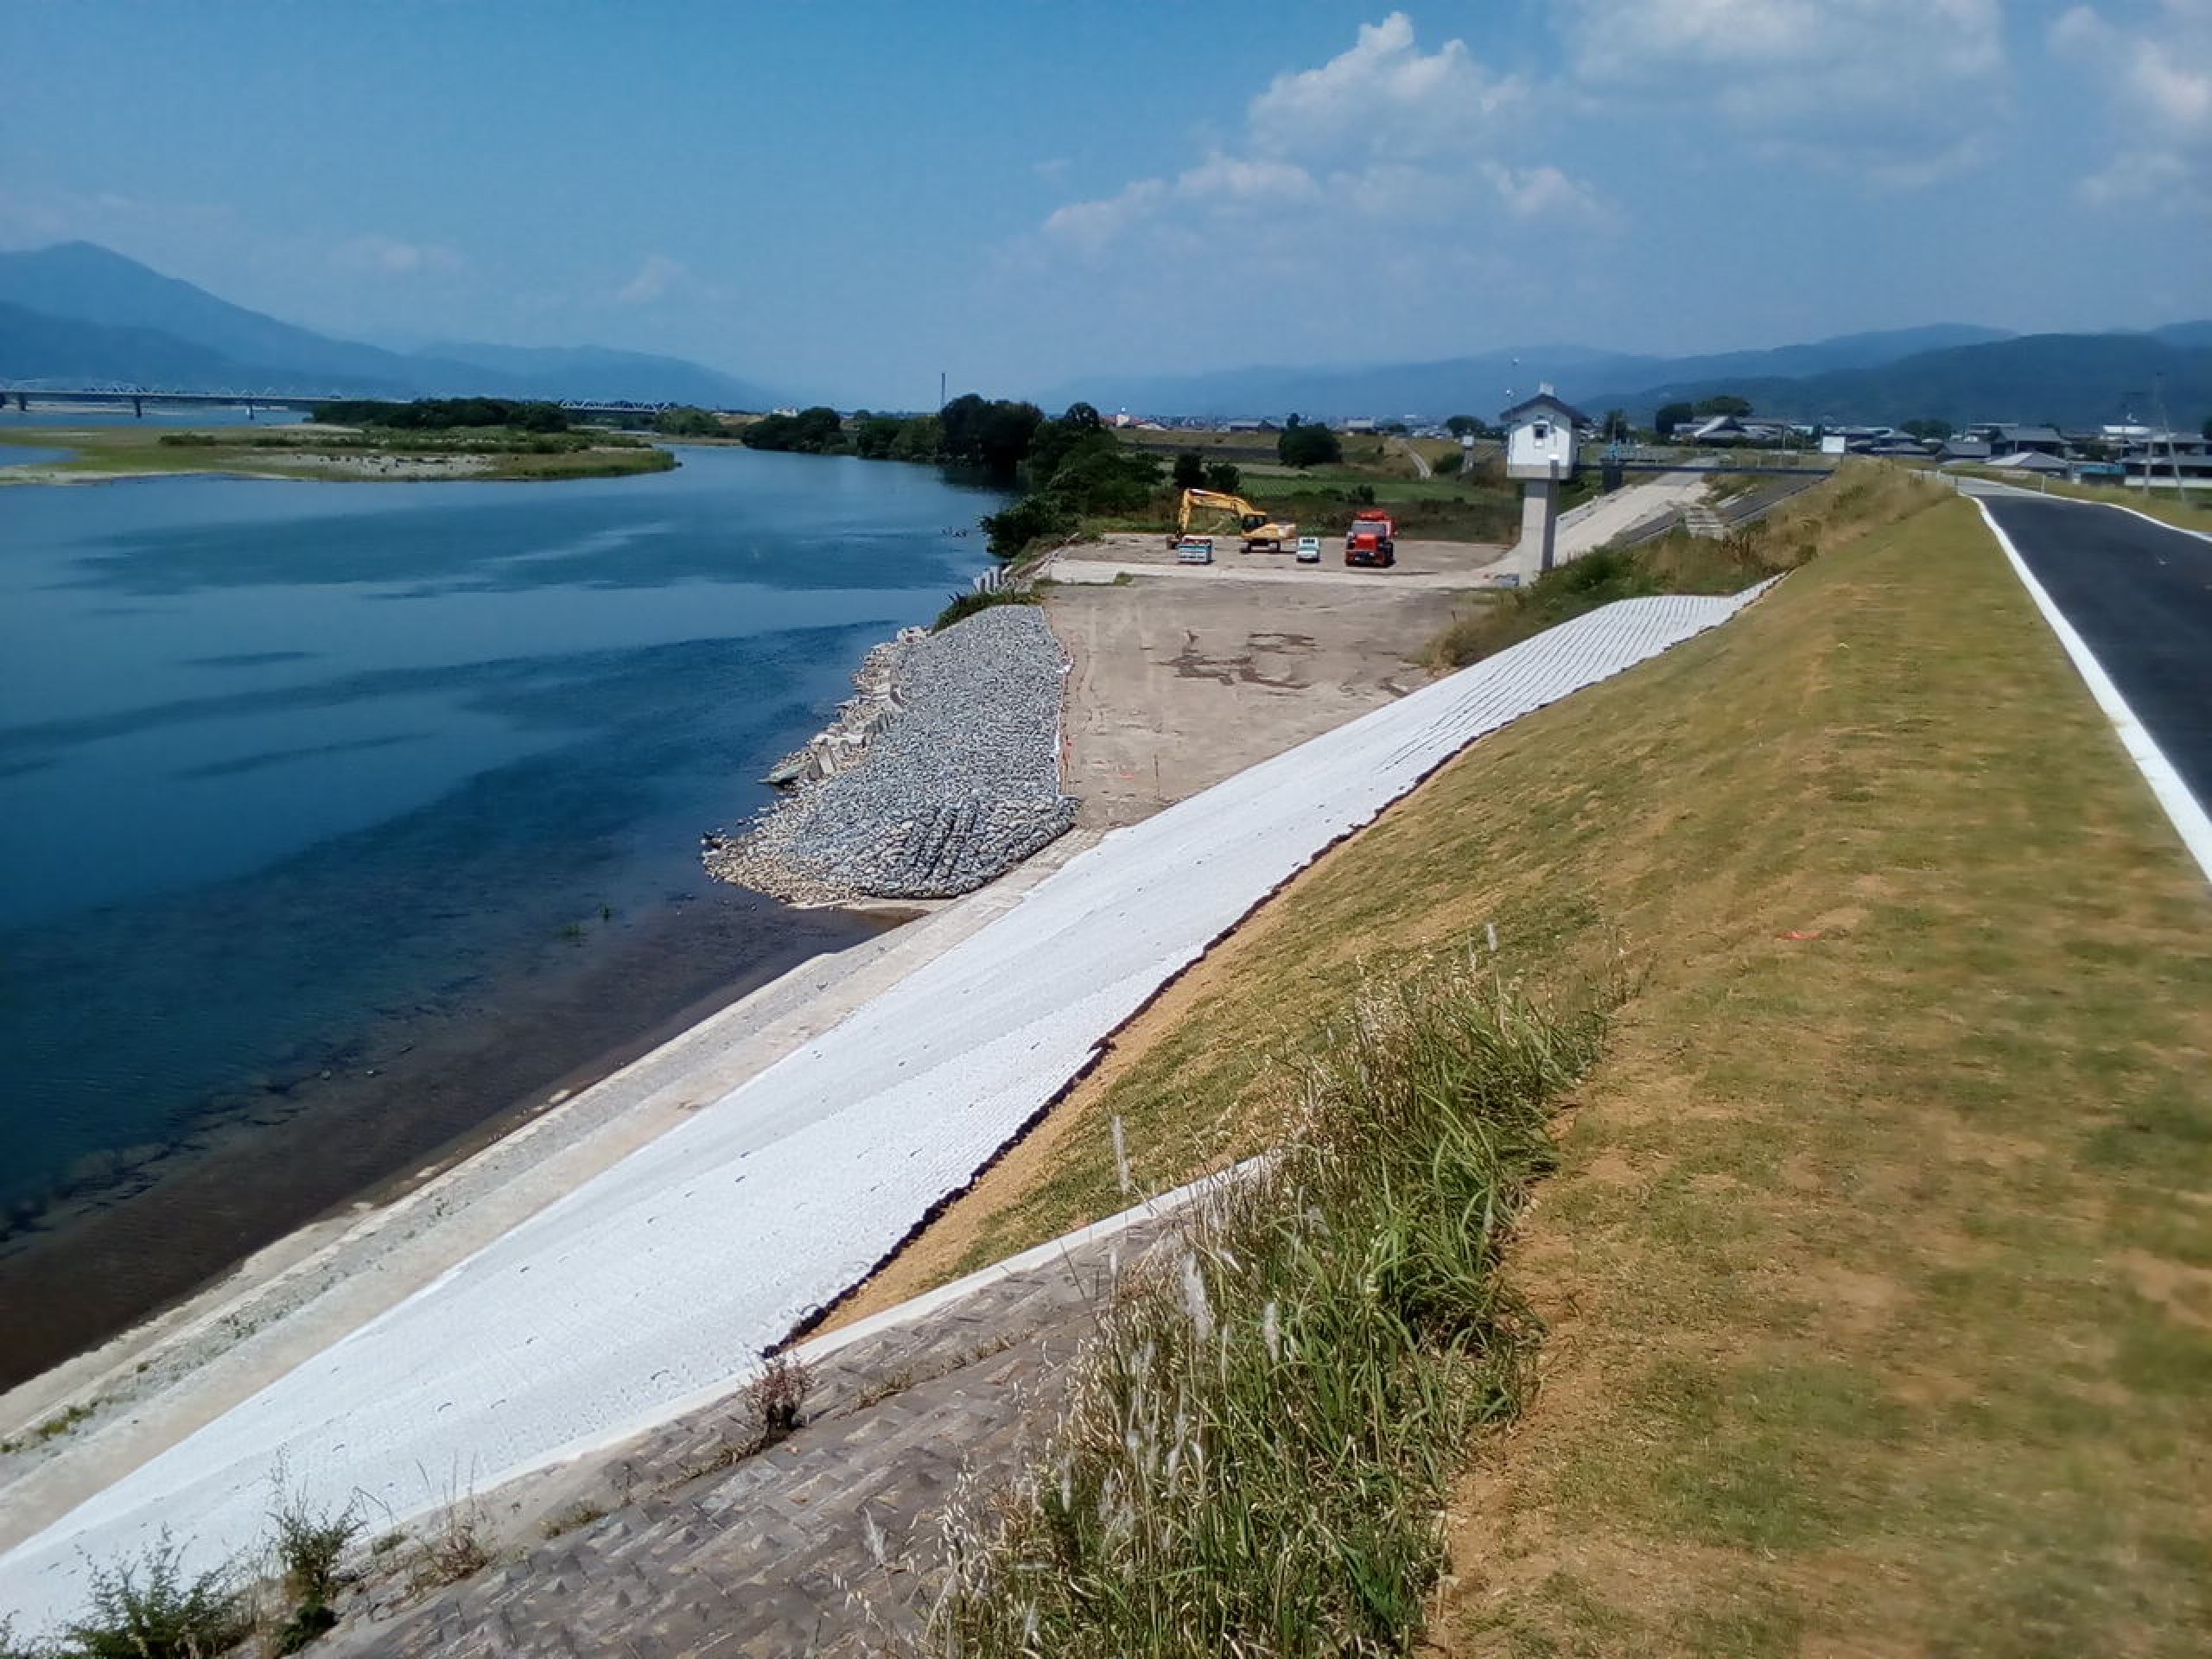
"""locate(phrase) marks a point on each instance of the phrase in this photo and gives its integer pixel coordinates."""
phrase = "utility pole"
(940, 389)
(2173, 449)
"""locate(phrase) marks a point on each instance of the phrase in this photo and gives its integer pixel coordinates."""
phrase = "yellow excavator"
(1261, 534)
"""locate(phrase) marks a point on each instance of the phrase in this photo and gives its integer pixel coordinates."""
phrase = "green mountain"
(2070, 379)
(63, 351)
(1485, 383)
(96, 307)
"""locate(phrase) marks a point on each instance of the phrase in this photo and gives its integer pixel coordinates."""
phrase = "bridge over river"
(140, 398)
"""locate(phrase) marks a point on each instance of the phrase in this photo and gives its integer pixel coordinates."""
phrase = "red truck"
(1372, 539)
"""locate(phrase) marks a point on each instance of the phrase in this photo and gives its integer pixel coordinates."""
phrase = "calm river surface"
(337, 820)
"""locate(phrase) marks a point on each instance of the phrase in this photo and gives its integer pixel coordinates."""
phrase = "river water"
(339, 820)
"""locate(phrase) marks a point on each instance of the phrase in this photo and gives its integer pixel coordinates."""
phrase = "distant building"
(1540, 435)
(2032, 461)
(2012, 437)
(1964, 450)
(2163, 454)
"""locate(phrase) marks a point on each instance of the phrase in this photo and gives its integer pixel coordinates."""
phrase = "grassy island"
(461, 438)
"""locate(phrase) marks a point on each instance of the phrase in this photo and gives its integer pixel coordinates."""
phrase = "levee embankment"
(1875, 1254)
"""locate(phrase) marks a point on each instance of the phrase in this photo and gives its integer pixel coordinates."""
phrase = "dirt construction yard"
(1182, 676)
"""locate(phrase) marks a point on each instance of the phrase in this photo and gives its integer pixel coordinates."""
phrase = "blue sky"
(843, 200)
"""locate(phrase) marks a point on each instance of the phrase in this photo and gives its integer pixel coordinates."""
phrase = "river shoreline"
(149, 1384)
(367, 1118)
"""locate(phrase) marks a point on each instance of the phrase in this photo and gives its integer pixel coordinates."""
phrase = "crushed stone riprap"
(942, 773)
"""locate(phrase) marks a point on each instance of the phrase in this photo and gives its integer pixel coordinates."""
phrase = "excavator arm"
(1252, 524)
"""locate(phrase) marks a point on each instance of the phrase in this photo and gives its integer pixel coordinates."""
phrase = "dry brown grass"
(1877, 1268)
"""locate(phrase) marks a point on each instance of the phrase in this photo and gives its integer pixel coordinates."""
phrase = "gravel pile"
(959, 780)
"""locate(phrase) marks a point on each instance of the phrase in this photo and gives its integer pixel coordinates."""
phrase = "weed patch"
(963, 605)
(1263, 1430)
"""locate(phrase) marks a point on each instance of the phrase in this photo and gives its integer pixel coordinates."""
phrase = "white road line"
(2181, 806)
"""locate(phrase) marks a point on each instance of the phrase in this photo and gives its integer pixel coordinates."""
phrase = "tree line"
(443, 414)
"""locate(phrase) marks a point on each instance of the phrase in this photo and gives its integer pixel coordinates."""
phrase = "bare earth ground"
(1176, 686)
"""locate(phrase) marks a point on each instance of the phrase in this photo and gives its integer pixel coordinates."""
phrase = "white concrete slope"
(653, 1287)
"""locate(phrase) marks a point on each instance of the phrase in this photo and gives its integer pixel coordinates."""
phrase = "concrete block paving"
(825, 1543)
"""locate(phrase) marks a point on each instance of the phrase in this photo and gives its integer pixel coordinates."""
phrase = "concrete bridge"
(138, 397)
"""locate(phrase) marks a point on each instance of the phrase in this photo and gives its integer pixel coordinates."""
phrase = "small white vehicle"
(1194, 550)
(1309, 550)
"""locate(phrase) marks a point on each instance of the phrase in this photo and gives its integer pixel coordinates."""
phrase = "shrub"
(1224, 476)
(1190, 470)
(149, 1610)
(1033, 518)
(777, 1398)
(309, 1543)
(1308, 446)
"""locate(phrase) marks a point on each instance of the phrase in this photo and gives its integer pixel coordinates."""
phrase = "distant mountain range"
(77, 311)
(1953, 371)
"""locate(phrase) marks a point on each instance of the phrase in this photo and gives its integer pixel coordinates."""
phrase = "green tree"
(2206, 427)
(1224, 475)
(1723, 403)
(874, 436)
(1614, 427)
(1308, 446)
(1670, 417)
(1928, 427)
(1083, 417)
(920, 438)
(1190, 470)
(1464, 426)
(993, 436)
(685, 421)
(815, 431)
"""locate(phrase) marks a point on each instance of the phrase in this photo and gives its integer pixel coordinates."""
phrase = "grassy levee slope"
(1879, 1268)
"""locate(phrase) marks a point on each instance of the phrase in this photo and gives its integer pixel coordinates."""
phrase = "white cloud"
(656, 276)
(1384, 133)
(387, 255)
(1536, 192)
(2155, 72)
(1383, 94)
(1895, 91)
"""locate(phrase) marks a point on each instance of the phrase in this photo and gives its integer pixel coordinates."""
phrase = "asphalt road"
(2141, 595)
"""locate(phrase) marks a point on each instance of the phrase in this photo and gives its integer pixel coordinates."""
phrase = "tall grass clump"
(1262, 1432)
